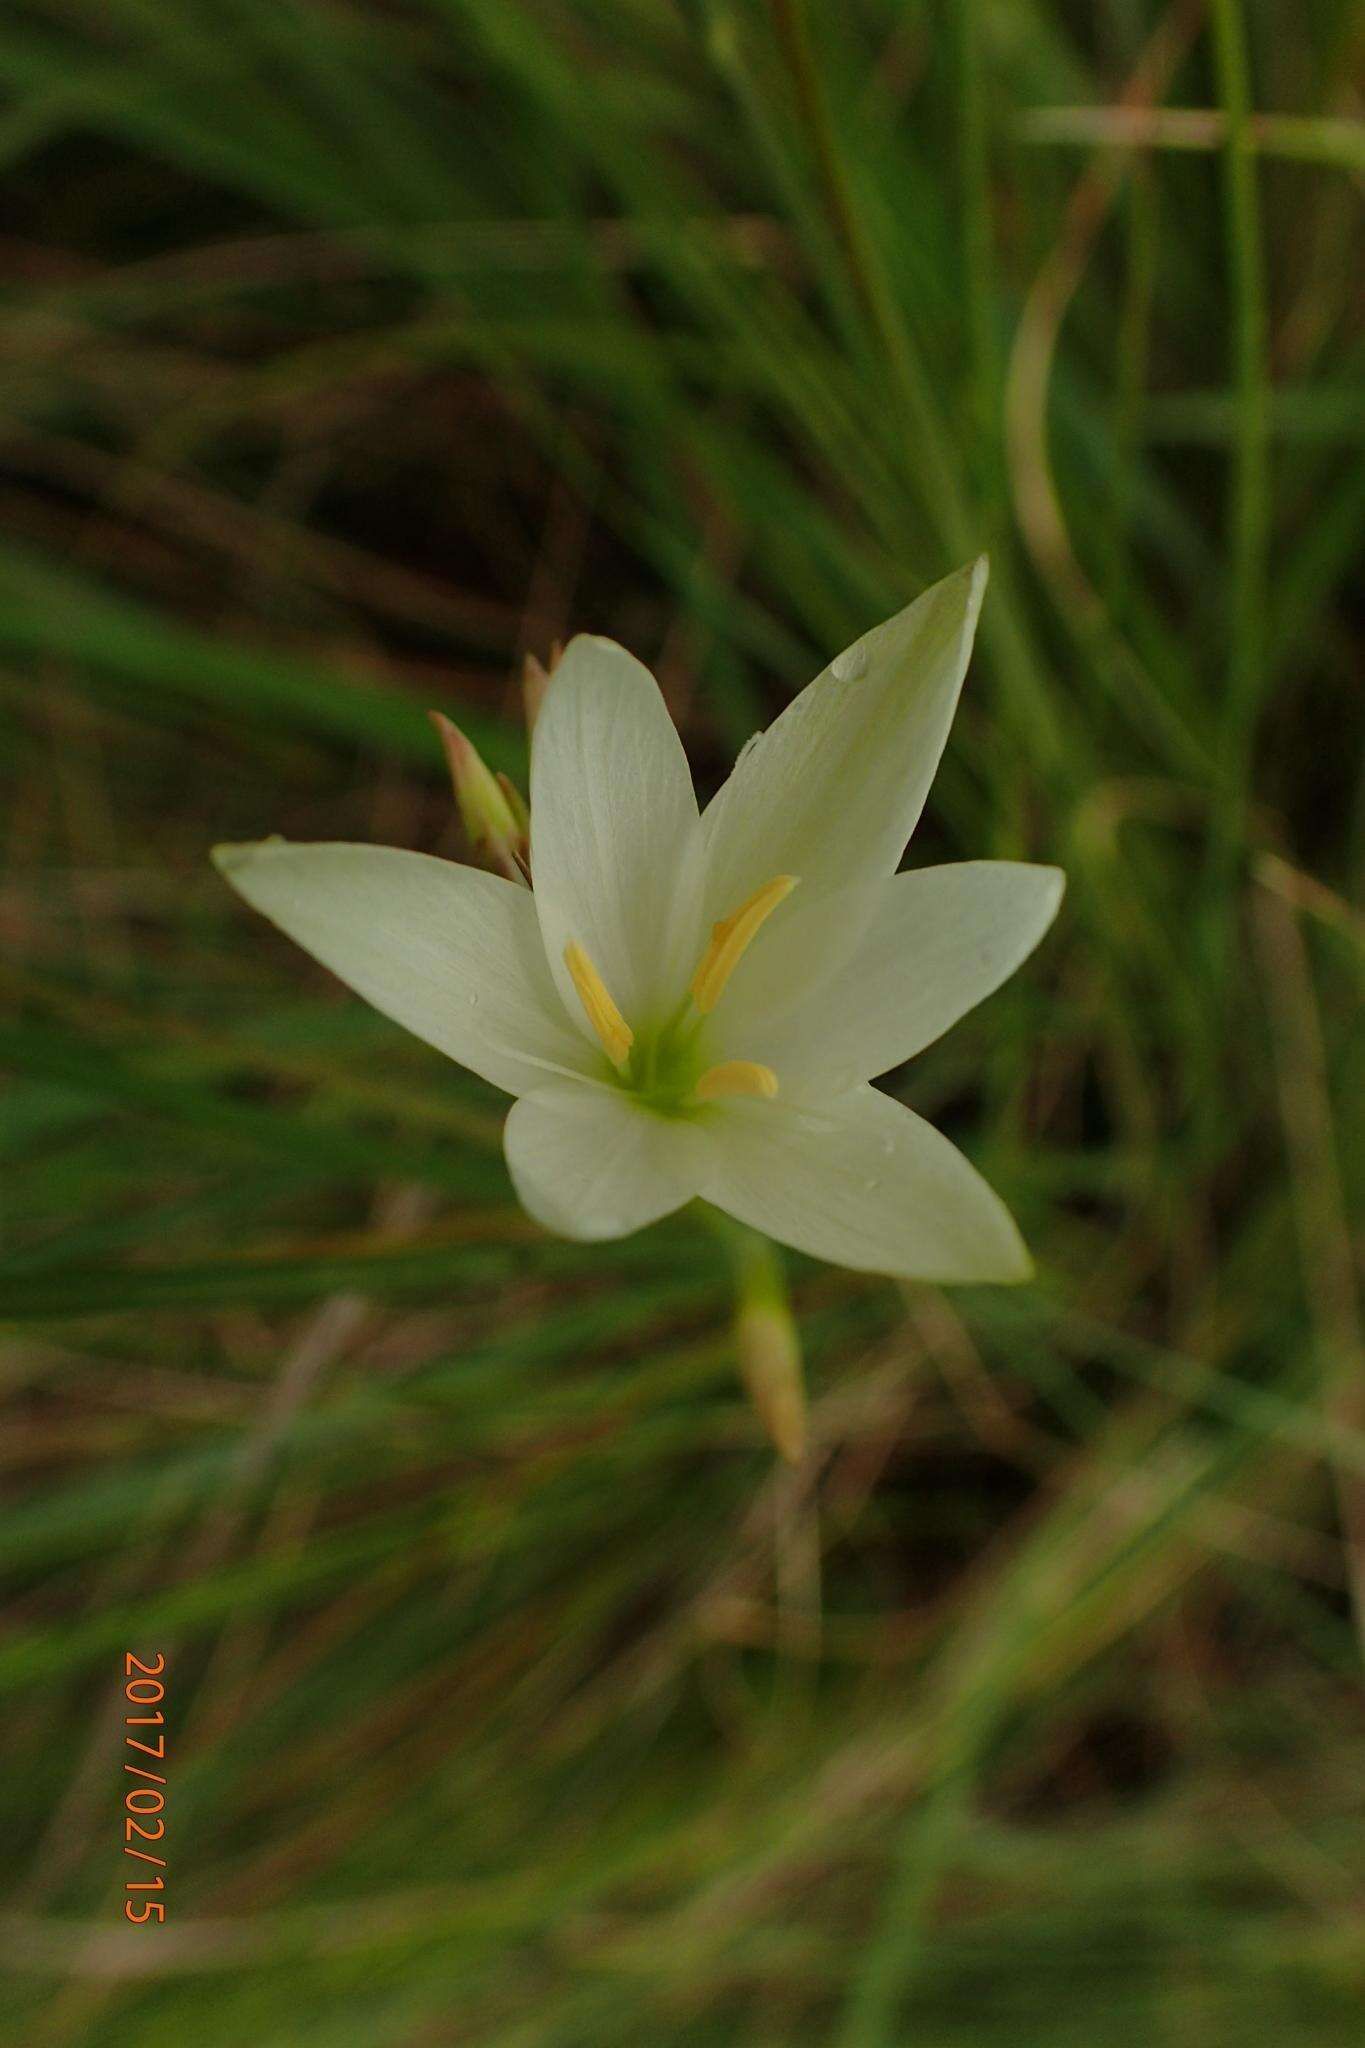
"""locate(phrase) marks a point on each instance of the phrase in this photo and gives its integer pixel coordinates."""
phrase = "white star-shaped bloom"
(693, 1004)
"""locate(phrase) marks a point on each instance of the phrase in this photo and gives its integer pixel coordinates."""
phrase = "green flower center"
(665, 1064)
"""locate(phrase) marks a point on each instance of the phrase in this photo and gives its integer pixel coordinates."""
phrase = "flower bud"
(516, 803)
(494, 815)
(769, 1347)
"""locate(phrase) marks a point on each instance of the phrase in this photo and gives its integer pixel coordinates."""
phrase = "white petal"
(449, 952)
(834, 788)
(589, 1162)
(614, 831)
(862, 1182)
(938, 941)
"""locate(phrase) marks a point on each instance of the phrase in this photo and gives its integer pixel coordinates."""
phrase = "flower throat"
(665, 1067)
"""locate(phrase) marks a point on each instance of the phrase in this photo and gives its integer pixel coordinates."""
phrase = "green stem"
(978, 258)
(947, 503)
(1249, 512)
(754, 1258)
(944, 495)
(1130, 383)
(767, 1337)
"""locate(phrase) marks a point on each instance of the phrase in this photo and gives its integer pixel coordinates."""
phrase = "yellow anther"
(731, 938)
(606, 1020)
(736, 1077)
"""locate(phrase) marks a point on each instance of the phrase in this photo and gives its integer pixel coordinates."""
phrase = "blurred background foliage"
(354, 349)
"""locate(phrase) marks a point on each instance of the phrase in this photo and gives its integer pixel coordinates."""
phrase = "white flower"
(695, 1005)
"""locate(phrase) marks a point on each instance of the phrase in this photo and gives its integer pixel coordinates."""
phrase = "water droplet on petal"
(871, 1182)
(473, 1002)
(888, 1146)
(848, 666)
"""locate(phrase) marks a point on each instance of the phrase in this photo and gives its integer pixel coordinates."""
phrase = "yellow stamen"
(606, 1020)
(736, 1077)
(731, 938)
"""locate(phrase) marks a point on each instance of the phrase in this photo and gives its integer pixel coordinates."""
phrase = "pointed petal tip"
(228, 855)
(958, 597)
(1052, 889)
(452, 738)
(1008, 1265)
(974, 575)
(598, 640)
(1023, 1269)
(1014, 1266)
(1052, 882)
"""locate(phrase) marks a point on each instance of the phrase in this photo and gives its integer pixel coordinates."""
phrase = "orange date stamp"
(144, 1803)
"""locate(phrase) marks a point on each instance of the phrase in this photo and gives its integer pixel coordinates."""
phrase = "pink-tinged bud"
(490, 818)
(516, 804)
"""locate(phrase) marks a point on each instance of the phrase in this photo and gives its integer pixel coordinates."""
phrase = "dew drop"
(473, 1002)
(871, 1182)
(888, 1146)
(848, 666)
